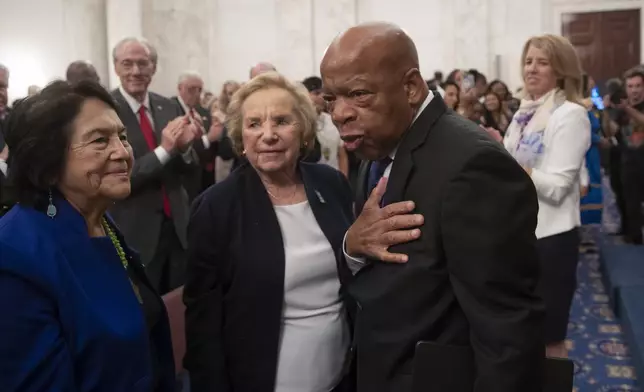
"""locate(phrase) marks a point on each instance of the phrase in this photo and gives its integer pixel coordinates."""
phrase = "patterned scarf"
(524, 137)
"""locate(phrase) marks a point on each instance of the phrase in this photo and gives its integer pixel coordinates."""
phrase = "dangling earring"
(51, 208)
(244, 152)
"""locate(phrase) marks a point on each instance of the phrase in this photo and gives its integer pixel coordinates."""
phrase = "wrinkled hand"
(376, 229)
(216, 130)
(171, 133)
(196, 123)
(189, 132)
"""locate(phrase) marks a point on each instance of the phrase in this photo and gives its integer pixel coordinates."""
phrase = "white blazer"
(556, 174)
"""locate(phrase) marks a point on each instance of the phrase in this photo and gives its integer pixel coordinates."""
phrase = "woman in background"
(494, 115)
(452, 94)
(592, 201)
(549, 136)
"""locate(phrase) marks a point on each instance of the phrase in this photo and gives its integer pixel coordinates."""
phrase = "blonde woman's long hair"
(563, 60)
(224, 98)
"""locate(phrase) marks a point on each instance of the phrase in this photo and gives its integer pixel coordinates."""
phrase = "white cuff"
(162, 155)
(3, 167)
(206, 142)
(355, 263)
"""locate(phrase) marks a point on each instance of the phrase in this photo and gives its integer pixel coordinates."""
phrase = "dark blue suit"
(69, 318)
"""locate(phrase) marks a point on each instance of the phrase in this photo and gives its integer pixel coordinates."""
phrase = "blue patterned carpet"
(595, 341)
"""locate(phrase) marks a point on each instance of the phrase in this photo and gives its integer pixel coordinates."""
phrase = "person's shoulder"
(25, 242)
(158, 99)
(460, 133)
(569, 107)
(319, 172)
(327, 179)
(222, 195)
(569, 113)
(639, 107)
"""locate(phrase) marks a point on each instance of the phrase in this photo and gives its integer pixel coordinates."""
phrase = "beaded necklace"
(121, 253)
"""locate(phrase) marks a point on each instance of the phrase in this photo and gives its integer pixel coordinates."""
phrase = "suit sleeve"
(203, 296)
(34, 356)
(147, 169)
(488, 220)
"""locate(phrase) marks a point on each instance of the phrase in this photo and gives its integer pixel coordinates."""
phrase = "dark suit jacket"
(234, 290)
(140, 216)
(72, 320)
(471, 277)
(204, 176)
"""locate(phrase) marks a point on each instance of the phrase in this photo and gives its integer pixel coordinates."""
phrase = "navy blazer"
(234, 290)
(70, 319)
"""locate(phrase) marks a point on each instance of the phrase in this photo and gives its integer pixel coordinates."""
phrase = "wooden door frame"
(561, 8)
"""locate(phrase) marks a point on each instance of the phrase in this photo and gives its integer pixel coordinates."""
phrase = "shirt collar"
(133, 103)
(426, 102)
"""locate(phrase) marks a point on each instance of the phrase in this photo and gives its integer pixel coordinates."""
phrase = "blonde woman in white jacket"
(549, 136)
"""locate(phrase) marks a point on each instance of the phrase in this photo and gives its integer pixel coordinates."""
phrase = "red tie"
(148, 134)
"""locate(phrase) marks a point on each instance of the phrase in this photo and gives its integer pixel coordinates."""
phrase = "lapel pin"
(320, 196)
(159, 107)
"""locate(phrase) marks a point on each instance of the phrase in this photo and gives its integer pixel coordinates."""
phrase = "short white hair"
(4, 68)
(142, 41)
(189, 75)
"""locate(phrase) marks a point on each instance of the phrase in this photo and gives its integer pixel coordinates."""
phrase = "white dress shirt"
(161, 153)
(355, 263)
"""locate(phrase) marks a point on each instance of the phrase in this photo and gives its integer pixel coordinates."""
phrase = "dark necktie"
(376, 171)
(148, 134)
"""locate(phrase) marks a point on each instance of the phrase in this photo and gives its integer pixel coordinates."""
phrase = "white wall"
(221, 39)
(39, 38)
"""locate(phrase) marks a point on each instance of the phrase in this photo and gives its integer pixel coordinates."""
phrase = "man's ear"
(414, 86)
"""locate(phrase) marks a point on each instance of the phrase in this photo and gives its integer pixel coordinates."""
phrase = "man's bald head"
(261, 68)
(81, 70)
(381, 46)
(373, 87)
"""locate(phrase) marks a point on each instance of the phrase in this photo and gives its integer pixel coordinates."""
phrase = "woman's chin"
(118, 191)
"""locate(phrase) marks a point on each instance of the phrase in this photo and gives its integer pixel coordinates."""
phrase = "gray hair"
(4, 68)
(189, 75)
(154, 56)
(262, 67)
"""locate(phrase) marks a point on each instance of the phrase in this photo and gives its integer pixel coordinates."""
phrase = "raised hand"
(171, 133)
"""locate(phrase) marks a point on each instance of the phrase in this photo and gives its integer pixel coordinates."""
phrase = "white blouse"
(556, 174)
(315, 334)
